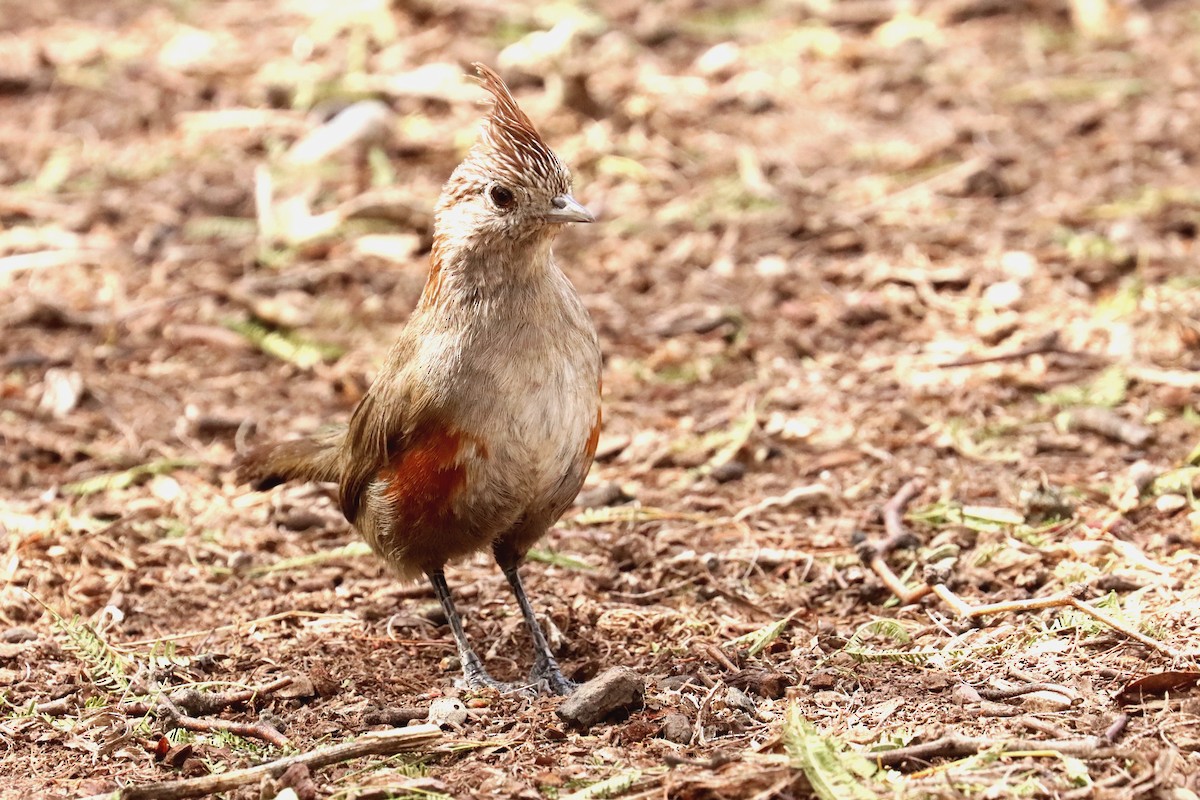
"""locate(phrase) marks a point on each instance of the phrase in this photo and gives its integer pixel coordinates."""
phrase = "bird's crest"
(511, 140)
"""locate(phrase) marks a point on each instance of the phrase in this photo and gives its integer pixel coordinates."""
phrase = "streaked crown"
(510, 147)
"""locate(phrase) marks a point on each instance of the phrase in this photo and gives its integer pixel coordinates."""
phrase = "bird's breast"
(538, 399)
(519, 378)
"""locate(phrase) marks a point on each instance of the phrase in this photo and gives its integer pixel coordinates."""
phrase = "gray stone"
(617, 689)
(676, 728)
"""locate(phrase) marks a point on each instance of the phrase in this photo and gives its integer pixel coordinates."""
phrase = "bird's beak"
(567, 209)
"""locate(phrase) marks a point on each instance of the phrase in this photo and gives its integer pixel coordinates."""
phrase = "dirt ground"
(842, 248)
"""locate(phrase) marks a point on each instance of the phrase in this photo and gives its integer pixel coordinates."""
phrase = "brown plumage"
(482, 423)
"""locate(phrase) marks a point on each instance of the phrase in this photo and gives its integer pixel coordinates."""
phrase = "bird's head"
(511, 191)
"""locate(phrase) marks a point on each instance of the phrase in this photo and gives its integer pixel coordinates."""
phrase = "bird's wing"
(364, 452)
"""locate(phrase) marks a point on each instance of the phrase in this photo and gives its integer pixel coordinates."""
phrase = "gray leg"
(545, 666)
(473, 672)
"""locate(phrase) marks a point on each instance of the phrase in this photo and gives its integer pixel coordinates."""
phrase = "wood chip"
(1110, 425)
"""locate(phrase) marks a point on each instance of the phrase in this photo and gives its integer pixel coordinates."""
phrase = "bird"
(482, 423)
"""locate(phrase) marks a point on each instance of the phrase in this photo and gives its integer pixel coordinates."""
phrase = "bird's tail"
(311, 459)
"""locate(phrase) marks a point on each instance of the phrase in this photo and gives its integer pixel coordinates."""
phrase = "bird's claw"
(545, 675)
(548, 674)
(477, 682)
(475, 677)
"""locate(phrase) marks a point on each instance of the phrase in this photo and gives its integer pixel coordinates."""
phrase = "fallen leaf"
(1157, 683)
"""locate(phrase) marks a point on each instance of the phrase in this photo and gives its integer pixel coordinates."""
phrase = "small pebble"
(91, 586)
(729, 471)
(299, 519)
(1170, 503)
(966, 694)
(995, 328)
(829, 699)
(720, 60)
(1142, 474)
(606, 494)
(822, 680)
(674, 683)
(736, 698)
(301, 687)
(17, 635)
(771, 266)
(447, 711)
(1018, 265)
(611, 446)
(166, 488)
(616, 689)
(239, 560)
(676, 728)
(1003, 294)
(274, 720)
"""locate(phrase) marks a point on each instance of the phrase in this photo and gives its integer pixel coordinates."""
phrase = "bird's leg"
(474, 674)
(545, 666)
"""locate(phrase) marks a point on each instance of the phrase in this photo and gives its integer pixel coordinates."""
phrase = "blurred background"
(843, 244)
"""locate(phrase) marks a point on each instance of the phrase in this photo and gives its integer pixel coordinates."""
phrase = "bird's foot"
(547, 673)
(476, 677)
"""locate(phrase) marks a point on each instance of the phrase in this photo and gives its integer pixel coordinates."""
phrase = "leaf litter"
(836, 240)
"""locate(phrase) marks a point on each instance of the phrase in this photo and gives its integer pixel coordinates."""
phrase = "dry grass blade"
(126, 478)
(51, 259)
(351, 550)
(557, 559)
(1065, 600)
(286, 345)
(631, 514)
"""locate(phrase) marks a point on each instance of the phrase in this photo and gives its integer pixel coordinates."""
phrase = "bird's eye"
(502, 198)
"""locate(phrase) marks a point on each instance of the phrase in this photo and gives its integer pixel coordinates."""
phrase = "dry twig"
(1040, 346)
(1110, 425)
(893, 515)
(815, 494)
(181, 707)
(1117, 729)
(172, 714)
(702, 712)
(955, 746)
(1069, 599)
(194, 701)
(1008, 692)
(1043, 726)
(714, 653)
(376, 743)
(872, 553)
(939, 181)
